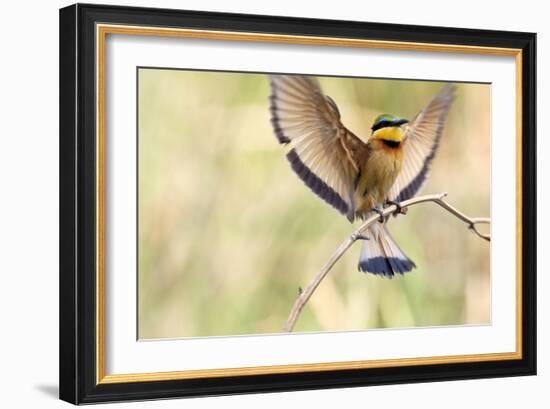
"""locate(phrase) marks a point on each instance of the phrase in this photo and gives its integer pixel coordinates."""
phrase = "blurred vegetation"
(227, 232)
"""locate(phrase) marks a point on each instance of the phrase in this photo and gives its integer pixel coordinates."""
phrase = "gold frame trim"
(101, 33)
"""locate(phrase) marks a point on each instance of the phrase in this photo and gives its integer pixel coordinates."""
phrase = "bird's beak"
(400, 122)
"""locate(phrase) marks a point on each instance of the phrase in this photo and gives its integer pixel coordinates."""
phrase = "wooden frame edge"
(103, 29)
(287, 369)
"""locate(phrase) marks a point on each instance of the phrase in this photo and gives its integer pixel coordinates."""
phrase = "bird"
(358, 178)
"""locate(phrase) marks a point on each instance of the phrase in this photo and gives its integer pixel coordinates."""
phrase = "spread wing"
(323, 153)
(420, 145)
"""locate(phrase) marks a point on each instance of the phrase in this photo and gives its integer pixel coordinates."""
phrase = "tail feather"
(381, 255)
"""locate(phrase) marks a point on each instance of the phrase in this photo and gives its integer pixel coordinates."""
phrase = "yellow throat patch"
(391, 133)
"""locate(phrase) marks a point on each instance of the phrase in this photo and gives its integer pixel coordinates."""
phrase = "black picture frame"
(78, 355)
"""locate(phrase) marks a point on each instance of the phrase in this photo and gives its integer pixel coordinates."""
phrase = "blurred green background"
(227, 232)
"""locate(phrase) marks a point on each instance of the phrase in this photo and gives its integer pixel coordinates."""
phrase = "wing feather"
(323, 153)
(420, 145)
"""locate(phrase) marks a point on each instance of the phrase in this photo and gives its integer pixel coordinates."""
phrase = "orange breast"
(378, 175)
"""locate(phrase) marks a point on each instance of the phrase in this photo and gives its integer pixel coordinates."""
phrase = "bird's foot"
(399, 210)
(380, 213)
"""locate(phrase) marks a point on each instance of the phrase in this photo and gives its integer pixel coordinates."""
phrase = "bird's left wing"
(324, 154)
(420, 145)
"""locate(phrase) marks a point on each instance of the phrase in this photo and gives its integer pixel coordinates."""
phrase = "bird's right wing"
(324, 154)
(420, 145)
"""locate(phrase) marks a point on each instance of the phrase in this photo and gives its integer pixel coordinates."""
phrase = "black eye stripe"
(381, 124)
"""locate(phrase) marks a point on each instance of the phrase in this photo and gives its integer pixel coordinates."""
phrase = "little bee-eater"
(355, 177)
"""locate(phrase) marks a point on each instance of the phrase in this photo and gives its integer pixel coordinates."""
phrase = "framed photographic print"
(258, 203)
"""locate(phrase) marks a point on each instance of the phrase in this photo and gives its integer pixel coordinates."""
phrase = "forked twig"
(305, 294)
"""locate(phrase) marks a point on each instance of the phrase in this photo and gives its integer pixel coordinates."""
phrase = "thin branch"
(472, 222)
(305, 294)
